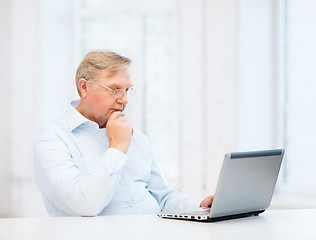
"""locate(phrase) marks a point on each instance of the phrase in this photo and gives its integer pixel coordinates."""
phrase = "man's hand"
(119, 131)
(207, 202)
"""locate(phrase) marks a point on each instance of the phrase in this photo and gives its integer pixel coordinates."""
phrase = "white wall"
(24, 102)
(208, 98)
(34, 40)
(221, 86)
(191, 74)
(5, 197)
(37, 66)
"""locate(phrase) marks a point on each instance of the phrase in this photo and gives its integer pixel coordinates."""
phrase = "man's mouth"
(116, 110)
(120, 109)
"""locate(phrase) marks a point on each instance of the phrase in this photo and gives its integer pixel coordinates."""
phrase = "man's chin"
(103, 125)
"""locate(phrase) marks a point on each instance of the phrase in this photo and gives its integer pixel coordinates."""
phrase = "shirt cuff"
(113, 160)
(195, 203)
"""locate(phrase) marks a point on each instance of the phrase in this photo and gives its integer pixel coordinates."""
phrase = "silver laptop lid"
(246, 182)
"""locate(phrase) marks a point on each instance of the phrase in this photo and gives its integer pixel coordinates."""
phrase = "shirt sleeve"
(74, 192)
(168, 198)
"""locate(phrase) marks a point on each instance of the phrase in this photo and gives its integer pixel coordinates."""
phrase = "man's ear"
(83, 85)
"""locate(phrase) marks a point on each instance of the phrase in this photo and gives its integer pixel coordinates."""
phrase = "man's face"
(100, 102)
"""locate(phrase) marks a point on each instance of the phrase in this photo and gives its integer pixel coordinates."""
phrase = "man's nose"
(123, 99)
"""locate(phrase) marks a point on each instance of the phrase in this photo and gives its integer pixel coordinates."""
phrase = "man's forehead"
(108, 74)
(120, 79)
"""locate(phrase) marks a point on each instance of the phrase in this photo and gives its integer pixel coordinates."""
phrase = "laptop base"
(208, 219)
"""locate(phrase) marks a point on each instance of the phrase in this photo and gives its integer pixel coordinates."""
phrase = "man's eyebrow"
(116, 86)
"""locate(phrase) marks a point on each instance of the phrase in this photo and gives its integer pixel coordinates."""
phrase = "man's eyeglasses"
(118, 93)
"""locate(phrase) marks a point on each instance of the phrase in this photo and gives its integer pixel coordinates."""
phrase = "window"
(143, 31)
(110, 31)
(160, 85)
(300, 128)
(277, 89)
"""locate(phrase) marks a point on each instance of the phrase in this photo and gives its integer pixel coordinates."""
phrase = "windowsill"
(293, 198)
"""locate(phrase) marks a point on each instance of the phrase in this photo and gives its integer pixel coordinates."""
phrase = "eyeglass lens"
(118, 93)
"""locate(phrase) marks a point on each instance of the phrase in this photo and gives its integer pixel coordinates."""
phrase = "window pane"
(301, 92)
(97, 3)
(160, 100)
(110, 32)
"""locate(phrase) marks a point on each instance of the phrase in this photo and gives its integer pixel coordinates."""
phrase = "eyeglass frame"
(127, 92)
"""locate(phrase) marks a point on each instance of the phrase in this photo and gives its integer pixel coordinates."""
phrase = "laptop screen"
(247, 181)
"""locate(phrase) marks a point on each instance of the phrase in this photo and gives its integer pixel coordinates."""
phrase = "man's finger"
(207, 202)
(116, 115)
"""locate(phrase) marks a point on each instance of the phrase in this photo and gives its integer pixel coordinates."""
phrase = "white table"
(274, 224)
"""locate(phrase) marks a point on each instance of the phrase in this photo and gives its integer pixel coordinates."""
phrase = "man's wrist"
(121, 148)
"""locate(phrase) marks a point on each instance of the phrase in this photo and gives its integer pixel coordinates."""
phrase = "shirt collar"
(75, 118)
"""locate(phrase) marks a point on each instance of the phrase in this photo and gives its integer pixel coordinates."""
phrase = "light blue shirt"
(79, 175)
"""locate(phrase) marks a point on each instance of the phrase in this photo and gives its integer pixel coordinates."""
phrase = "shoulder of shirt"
(55, 128)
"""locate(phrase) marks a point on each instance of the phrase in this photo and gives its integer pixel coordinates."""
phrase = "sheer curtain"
(301, 94)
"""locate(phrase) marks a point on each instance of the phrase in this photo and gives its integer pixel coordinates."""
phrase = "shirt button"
(132, 205)
(123, 182)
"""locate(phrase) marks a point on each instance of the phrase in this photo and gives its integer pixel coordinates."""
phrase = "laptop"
(245, 187)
